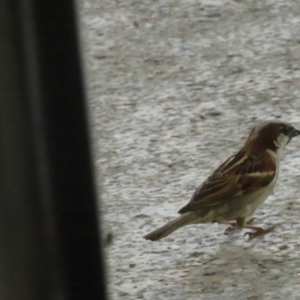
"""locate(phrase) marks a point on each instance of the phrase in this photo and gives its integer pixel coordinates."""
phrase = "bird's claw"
(250, 234)
(233, 226)
(258, 231)
(251, 221)
(229, 229)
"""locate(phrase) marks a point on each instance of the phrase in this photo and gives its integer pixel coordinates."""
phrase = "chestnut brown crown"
(270, 135)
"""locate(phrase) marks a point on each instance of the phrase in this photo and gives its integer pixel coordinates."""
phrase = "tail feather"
(185, 219)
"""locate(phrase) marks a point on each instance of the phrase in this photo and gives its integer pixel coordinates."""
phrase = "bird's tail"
(161, 232)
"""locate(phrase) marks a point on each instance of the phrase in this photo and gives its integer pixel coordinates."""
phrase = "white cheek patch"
(281, 141)
(273, 154)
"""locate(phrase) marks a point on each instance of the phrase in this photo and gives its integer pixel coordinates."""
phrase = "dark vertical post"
(50, 246)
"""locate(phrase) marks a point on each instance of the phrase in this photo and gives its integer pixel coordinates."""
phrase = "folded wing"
(241, 174)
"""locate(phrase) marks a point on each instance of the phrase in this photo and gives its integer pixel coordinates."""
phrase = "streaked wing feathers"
(242, 173)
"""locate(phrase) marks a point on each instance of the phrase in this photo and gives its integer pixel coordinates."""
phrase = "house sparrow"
(243, 182)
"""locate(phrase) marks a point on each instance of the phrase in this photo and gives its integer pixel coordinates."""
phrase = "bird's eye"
(285, 129)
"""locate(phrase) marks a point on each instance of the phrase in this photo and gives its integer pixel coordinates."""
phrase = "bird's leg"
(257, 231)
(238, 224)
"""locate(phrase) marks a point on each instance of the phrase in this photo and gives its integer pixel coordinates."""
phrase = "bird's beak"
(294, 132)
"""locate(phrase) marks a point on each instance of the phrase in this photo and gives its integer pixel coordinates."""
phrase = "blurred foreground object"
(50, 245)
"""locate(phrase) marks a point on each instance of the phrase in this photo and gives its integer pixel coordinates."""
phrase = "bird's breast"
(255, 199)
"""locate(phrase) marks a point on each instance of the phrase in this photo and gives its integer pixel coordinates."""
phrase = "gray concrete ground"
(174, 87)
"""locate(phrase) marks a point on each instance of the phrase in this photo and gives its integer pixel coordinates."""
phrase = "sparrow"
(232, 193)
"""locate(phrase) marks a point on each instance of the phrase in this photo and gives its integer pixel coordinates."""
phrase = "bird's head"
(270, 135)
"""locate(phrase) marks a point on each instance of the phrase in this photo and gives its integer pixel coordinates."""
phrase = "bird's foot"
(233, 226)
(257, 231)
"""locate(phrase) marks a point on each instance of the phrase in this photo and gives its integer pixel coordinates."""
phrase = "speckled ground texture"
(174, 87)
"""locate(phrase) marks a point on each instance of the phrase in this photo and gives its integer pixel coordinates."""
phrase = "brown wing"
(239, 175)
